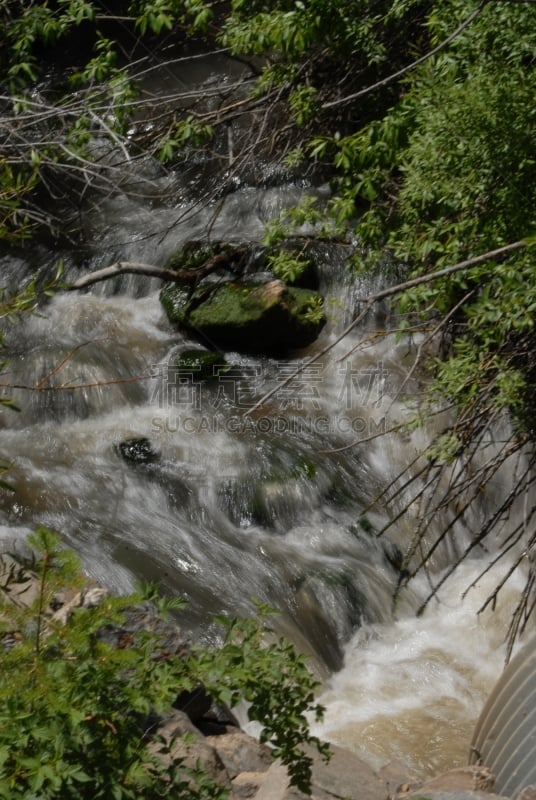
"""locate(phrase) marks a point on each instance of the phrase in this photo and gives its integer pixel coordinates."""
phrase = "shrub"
(76, 710)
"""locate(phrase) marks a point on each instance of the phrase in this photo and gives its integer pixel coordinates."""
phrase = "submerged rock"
(204, 364)
(138, 451)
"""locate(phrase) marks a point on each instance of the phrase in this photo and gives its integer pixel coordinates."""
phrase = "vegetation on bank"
(80, 702)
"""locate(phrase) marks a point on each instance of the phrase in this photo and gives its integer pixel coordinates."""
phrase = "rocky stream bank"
(210, 737)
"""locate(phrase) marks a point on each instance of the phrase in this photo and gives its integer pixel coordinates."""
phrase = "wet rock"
(319, 626)
(277, 504)
(276, 501)
(337, 592)
(202, 364)
(138, 451)
(384, 546)
(268, 318)
(206, 257)
(463, 783)
(175, 300)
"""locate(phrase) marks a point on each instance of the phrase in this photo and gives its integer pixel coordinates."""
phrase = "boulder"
(175, 301)
(182, 741)
(240, 752)
(345, 775)
(269, 318)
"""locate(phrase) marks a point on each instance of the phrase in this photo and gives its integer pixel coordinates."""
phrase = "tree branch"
(389, 292)
(122, 268)
(187, 277)
(409, 67)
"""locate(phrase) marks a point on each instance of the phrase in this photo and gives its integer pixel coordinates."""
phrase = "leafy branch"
(84, 726)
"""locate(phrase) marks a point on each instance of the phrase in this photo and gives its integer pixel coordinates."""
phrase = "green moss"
(236, 304)
(203, 363)
(304, 468)
(193, 255)
(249, 317)
(174, 299)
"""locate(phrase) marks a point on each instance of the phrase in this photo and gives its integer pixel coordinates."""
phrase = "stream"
(272, 503)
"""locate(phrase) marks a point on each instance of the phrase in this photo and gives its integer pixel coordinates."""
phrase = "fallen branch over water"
(187, 277)
(123, 268)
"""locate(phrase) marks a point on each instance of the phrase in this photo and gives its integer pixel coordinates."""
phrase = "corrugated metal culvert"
(505, 735)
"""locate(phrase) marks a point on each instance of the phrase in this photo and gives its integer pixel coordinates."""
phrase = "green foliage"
(443, 171)
(157, 16)
(302, 103)
(75, 710)
(46, 130)
(275, 681)
(287, 266)
(314, 313)
(186, 132)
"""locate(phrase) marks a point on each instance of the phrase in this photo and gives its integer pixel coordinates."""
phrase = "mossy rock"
(204, 364)
(194, 254)
(175, 299)
(268, 318)
(231, 257)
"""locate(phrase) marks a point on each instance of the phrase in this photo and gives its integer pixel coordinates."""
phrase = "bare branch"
(122, 268)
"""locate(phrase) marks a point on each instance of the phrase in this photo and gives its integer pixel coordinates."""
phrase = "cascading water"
(244, 502)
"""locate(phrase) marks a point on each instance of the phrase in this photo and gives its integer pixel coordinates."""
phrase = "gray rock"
(247, 784)
(187, 743)
(528, 793)
(474, 778)
(454, 794)
(241, 752)
(346, 776)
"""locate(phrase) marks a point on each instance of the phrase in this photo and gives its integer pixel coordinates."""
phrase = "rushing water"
(244, 502)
